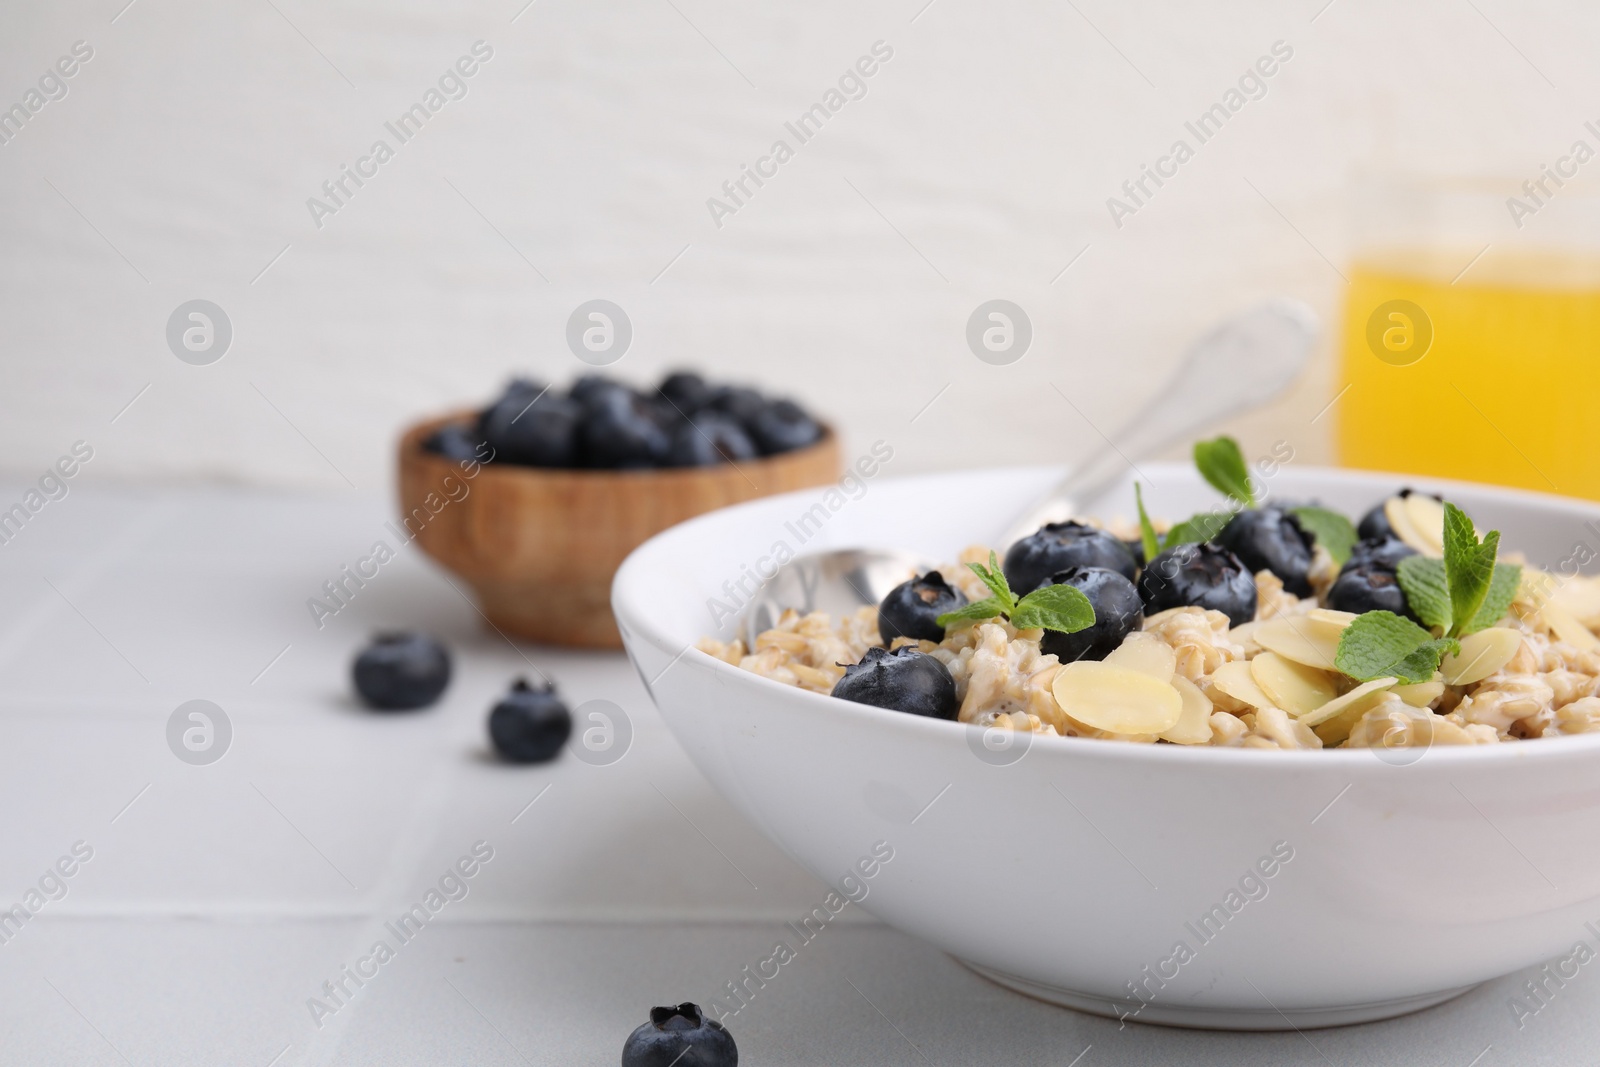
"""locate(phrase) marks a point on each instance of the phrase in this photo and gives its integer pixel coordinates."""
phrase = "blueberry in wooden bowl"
(535, 499)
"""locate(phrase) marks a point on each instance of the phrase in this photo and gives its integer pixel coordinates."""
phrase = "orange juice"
(1491, 374)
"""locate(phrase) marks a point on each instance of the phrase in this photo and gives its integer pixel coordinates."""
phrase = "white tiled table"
(220, 898)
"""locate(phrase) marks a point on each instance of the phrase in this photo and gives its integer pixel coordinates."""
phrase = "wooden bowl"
(540, 546)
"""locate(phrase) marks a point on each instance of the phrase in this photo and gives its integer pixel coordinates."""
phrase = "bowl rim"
(635, 625)
(413, 436)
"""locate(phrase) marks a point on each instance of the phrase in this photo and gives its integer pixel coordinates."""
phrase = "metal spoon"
(1242, 363)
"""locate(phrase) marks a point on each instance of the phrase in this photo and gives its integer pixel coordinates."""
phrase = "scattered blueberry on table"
(401, 671)
(599, 423)
(902, 680)
(528, 724)
(680, 1036)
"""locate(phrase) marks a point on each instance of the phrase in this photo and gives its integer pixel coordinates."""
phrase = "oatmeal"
(1323, 645)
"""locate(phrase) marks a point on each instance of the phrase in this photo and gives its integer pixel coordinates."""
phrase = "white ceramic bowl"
(1075, 872)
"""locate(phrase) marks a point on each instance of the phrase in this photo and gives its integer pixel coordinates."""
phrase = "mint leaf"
(1332, 530)
(1421, 664)
(1222, 464)
(1054, 607)
(993, 577)
(1050, 607)
(1381, 644)
(1147, 532)
(1468, 566)
(1502, 591)
(1422, 579)
(1459, 533)
(1201, 527)
(977, 611)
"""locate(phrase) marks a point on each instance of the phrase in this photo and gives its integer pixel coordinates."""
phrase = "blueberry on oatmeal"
(1369, 580)
(1118, 611)
(1384, 551)
(912, 609)
(1271, 539)
(1061, 546)
(902, 680)
(1368, 587)
(683, 1036)
(1136, 550)
(1202, 575)
(1375, 524)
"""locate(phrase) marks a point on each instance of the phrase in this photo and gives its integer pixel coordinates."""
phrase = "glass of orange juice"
(1472, 333)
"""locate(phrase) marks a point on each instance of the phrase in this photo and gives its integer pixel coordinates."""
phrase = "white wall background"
(180, 162)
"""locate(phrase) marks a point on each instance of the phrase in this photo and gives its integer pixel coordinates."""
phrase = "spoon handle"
(1241, 364)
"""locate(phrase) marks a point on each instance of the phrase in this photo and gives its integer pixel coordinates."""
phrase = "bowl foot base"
(1263, 1018)
(550, 615)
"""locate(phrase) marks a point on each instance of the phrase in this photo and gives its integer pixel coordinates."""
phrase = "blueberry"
(622, 431)
(595, 391)
(1385, 551)
(1270, 539)
(743, 404)
(525, 388)
(665, 415)
(707, 439)
(1136, 550)
(902, 680)
(685, 391)
(681, 1036)
(529, 725)
(783, 426)
(536, 433)
(1061, 546)
(400, 671)
(457, 442)
(1118, 612)
(912, 608)
(1375, 523)
(1368, 581)
(1368, 587)
(1200, 575)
